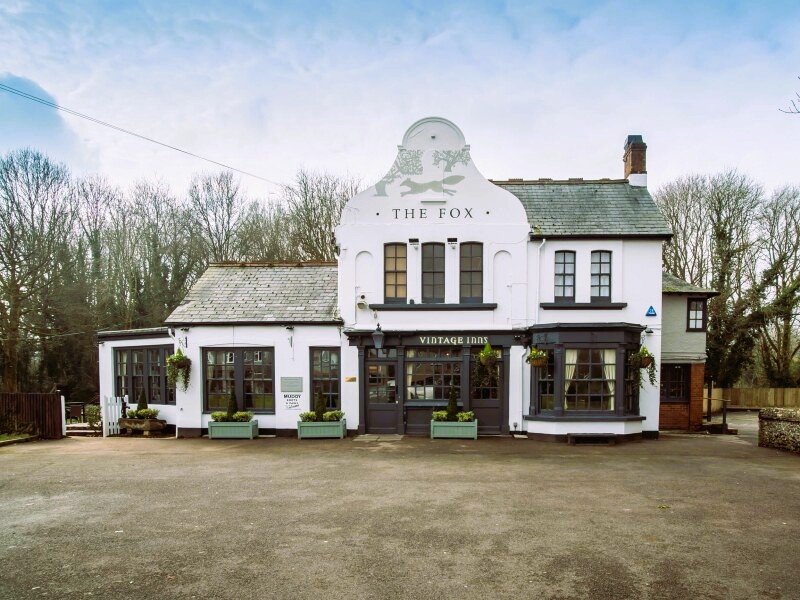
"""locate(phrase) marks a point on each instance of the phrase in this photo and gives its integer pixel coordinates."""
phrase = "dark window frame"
(669, 383)
(430, 275)
(598, 297)
(562, 298)
(165, 391)
(333, 398)
(395, 272)
(704, 314)
(441, 363)
(554, 378)
(239, 377)
(471, 273)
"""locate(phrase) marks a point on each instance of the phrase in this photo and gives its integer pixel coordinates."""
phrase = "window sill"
(584, 417)
(583, 305)
(665, 401)
(437, 306)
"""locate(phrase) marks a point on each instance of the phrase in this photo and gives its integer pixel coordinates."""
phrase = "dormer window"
(601, 276)
(565, 276)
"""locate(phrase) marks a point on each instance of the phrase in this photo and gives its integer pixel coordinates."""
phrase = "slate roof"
(588, 209)
(675, 285)
(261, 293)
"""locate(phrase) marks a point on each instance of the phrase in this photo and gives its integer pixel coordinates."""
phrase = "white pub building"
(434, 262)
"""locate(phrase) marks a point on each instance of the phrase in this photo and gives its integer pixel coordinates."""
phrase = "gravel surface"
(687, 516)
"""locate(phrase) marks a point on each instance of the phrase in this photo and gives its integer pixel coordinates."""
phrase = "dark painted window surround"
(250, 372)
(696, 314)
(143, 367)
(325, 376)
(557, 340)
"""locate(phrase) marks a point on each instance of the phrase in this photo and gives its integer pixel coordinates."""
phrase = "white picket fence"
(111, 412)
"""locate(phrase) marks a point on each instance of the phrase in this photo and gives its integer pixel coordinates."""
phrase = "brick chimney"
(635, 159)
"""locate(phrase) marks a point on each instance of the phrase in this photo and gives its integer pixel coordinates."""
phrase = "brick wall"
(676, 415)
(696, 391)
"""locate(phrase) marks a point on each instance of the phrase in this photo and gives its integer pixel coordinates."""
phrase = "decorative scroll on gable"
(433, 180)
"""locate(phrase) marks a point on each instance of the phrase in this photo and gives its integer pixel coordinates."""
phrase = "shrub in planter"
(320, 406)
(461, 425)
(142, 404)
(321, 423)
(146, 413)
(333, 415)
(452, 404)
(232, 423)
(220, 416)
(179, 367)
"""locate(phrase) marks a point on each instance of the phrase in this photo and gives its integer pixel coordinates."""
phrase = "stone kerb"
(779, 428)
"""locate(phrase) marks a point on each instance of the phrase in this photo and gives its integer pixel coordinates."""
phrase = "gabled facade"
(436, 261)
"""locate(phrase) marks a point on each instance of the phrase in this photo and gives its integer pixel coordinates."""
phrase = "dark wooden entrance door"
(383, 408)
(487, 395)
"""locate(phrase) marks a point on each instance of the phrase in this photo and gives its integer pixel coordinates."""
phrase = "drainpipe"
(525, 350)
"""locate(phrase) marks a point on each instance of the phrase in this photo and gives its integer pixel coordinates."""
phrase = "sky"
(540, 89)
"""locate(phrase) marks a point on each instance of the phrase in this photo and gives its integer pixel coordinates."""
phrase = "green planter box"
(453, 429)
(325, 429)
(239, 431)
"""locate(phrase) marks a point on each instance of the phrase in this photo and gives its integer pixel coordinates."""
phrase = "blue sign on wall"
(651, 312)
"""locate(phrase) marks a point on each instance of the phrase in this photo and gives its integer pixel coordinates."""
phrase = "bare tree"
(36, 217)
(714, 244)
(315, 201)
(795, 108)
(266, 233)
(216, 203)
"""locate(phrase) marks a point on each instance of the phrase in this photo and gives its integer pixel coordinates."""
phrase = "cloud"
(27, 124)
(542, 89)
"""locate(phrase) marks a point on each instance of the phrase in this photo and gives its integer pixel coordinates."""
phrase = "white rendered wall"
(292, 359)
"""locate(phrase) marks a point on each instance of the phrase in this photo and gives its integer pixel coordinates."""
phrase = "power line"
(28, 96)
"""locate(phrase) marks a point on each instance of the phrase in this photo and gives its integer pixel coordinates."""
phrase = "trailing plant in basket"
(644, 360)
(536, 357)
(488, 356)
(179, 367)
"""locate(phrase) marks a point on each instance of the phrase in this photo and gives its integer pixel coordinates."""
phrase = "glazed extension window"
(432, 273)
(675, 383)
(565, 276)
(601, 275)
(696, 318)
(325, 377)
(249, 372)
(137, 369)
(394, 273)
(471, 265)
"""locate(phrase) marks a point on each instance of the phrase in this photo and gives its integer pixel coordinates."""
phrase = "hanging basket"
(641, 362)
(538, 362)
(488, 360)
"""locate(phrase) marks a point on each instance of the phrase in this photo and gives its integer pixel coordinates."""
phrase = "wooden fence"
(41, 413)
(759, 397)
